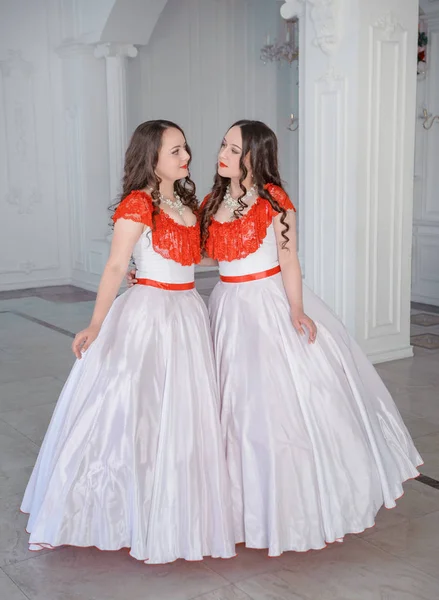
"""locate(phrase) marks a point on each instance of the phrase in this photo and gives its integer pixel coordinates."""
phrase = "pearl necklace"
(176, 204)
(231, 203)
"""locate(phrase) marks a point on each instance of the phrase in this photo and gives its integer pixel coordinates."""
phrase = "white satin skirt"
(314, 442)
(133, 457)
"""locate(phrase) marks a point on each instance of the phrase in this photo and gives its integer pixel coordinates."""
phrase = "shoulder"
(136, 206)
(280, 196)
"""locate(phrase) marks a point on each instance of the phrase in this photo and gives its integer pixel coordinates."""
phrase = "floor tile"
(418, 500)
(14, 541)
(416, 541)
(425, 319)
(269, 586)
(354, 570)
(249, 562)
(229, 592)
(206, 285)
(419, 401)
(428, 481)
(80, 573)
(420, 307)
(67, 316)
(42, 343)
(16, 451)
(57, 289)
(13, 481)
(8, 589)
(411, 373)
(395, 560)
(46, 292)
(70, 294)
(14, 294)
(418, 426)
(27, 393)
(428, 447)
(430, 341)
(31, 422)
(17, 458)
(44, 364)
(424, 351)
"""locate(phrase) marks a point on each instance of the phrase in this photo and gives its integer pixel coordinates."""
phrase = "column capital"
(111, 49)
(325, 16)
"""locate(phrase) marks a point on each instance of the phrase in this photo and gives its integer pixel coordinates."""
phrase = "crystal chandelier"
(286, 49)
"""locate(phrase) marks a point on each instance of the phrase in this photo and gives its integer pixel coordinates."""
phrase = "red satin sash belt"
(251, 276)
(167, 286)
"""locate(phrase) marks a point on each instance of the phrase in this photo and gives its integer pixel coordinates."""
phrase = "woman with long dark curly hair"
(314, 442)
(133, 456)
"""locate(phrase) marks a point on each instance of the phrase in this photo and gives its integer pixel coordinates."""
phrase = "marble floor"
(395, 560)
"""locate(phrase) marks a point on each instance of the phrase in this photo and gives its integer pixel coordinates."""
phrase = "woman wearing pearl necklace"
(314, 442)
(133, 457)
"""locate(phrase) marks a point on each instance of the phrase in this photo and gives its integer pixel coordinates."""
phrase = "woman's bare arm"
(126, 234)
(292, 275)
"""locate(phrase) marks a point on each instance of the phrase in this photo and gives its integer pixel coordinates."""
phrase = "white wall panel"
(425, 277)
(34, 240)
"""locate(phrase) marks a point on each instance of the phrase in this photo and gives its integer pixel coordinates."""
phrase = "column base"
(388, 355)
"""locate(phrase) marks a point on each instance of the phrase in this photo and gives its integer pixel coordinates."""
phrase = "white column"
(357, 119)
(85, 127)
(116, 57)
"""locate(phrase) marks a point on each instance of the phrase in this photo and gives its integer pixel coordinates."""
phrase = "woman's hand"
(84, 339)
(131, 278)
(300, 320)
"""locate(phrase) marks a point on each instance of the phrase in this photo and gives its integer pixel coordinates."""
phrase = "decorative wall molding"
(330, 252)
(75, 185)
(385, 188)
(15, 63)
(19, 126)
(325, 16)
(24, 201)
(389, 25)
(332, 77)
(27, 266)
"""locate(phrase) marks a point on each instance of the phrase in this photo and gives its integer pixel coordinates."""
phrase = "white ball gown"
(314, 442)
(133, 456)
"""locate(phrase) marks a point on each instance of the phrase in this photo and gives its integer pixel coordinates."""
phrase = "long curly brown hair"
(261, 142)
(141, 159)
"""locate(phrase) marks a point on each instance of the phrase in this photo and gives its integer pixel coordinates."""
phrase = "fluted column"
(116, 57)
